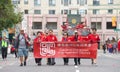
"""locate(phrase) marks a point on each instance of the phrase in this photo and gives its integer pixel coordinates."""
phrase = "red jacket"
(84, 38)
(79, 26)
(64, 39)
(43, 37)
(119, 45)
(94, 38)
(71, 38)
(51, 38)
(37, 39)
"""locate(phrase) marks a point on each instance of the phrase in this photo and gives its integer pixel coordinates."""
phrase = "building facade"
(40, 15)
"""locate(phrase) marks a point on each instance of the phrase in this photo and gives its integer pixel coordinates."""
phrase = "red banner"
(65, 49)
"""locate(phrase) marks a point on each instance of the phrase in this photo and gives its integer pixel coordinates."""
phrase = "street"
(105, 63)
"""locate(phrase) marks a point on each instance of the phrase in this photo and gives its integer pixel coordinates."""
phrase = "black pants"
(66, 60)
(104, 50)
(77, 61)
(51, 61)
(4, 52)
(38, 60)
(16, 54)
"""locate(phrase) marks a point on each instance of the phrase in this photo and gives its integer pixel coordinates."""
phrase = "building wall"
(44, 17)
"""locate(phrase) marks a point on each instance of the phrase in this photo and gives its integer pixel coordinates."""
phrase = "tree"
(8, 17)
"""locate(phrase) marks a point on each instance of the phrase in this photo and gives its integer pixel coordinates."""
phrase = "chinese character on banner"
(114, 23)
(30, 21)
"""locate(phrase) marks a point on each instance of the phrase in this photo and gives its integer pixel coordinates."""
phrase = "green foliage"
(7, 15)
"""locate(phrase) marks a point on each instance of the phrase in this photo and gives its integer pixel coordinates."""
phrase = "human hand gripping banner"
(65, 49)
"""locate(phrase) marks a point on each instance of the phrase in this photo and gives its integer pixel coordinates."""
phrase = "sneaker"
(79, 63)
(92, 62)
(48, 63)
(75, 64)
(21, 64)
(65, 63)
(53, 63)
(39, 64)
(24, 63)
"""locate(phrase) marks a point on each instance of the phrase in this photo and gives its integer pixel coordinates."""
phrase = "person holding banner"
(75, 38)
(65, 39)
(37, 40)
(94, 39)
(51, 38)
(118, 45)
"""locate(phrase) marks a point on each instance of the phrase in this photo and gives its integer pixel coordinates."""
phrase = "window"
(95, 11)
(65, 11)
(16, 1)
(81, 2)
(25, 1)
(110, 1)
(51, 2)
(65, 2)
(109, 25)
(96, 2)
(51, 11)
(82, 11)
(96, 25)
(110, 11)
(51, 25)
(26, 11)
(74, 11)
(37, 25)
(69, 11)
(37, 11)
(37, 3)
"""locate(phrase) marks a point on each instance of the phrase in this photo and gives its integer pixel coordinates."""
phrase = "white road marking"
(76, 69)
(76, 66)
(1, 67)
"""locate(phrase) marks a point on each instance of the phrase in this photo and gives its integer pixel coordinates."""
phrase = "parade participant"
(65, 39)
(104, 47)
(114, 45)
(37, 40)
(65, 27)
(83, 38)
(118, 45)
(80, 25)
(22, 42)
(109, 45)
(44, 36)
(13, 46)
(4, 46)
(75, 38)
(94, 39)
(51, 38)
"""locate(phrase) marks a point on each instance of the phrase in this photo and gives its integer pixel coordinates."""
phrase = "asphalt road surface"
(105, 63)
